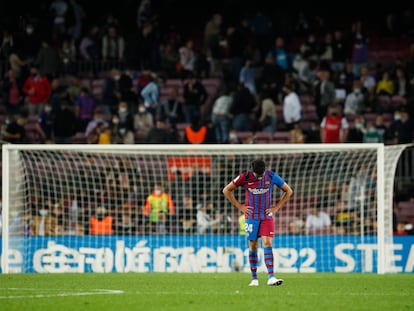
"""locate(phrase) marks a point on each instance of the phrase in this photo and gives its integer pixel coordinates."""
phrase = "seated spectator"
(206, 221)
(158, 134)
(317, 219)
(44, 125)
(85, 106)
(101, 223)
(44, 223)
(14, 131)
(64, 126)
(143, 120)
(195, 133)
(296, 134)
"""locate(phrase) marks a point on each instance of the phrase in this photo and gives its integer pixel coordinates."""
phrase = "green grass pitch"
(205, 291)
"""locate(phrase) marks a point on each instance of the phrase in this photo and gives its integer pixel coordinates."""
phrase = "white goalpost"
(94, 208)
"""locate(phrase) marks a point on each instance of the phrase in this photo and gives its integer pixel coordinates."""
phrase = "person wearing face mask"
(143, 121)
(38, 90)
(159, 206)
(354, 101)
(14, 131)
(44, 125)
(44, 223)
(126, 123)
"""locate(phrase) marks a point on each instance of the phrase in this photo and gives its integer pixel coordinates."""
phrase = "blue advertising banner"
(211, 253)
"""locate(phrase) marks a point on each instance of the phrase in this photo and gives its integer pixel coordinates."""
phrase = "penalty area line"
(61, 294)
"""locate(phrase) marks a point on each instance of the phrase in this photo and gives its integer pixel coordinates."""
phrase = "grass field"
(202, 291)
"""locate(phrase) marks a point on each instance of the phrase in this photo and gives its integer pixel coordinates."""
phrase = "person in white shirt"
(206, 223)
(292, 107)
(317, 219)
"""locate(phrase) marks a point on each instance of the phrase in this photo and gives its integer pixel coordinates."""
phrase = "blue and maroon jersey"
(258, 192)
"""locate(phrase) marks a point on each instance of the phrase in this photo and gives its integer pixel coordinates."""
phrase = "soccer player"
(259, 209)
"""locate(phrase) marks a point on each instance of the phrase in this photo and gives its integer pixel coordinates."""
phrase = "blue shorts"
(257, 228)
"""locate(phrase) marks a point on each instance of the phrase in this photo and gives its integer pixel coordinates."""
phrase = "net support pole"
(382, 249)
(5, 209)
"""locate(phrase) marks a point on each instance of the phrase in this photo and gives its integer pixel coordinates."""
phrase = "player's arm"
(288, 192)
(228, 193)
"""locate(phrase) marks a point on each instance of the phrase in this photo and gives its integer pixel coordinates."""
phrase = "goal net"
(160, 208)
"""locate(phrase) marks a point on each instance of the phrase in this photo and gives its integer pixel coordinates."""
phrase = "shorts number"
(248, 228)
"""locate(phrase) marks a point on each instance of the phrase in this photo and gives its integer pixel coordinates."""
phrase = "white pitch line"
(62, 294)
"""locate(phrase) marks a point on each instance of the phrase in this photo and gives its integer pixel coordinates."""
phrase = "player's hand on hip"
(246, 209)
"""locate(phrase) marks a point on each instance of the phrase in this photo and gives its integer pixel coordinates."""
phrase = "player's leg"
(252, 229)
(266, 232)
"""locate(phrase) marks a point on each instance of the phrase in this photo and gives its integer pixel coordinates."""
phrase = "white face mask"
(122, 110)
(42, 212)
(157, 192)
(142, 109)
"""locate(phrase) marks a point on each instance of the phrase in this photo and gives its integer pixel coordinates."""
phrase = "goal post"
(86, 208)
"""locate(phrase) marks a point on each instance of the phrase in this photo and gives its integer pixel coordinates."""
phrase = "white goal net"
(160, 208)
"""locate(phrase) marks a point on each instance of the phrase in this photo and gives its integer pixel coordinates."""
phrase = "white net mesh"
(93, 208)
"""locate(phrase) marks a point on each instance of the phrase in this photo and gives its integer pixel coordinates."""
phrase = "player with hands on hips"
(259, 210)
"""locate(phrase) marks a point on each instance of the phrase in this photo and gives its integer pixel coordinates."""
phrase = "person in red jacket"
(38, 90)
(334, 126)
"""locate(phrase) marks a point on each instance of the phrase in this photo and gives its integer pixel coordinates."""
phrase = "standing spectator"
(281, 54)
(340, 51)
(334, 127)
(151, 94)
(48, 60)
(220, 116)
(158, 207)
(28, 43)
(12, 93)
(243, 106)
(247, 77)
(58, 10)
(195, 95)
(212, 38)
(18, 64)
(85, 106)
(113, 47)
(187, 59)
(268, 118)
(323, 92)
(292, 107)
(38, 90)
(90, 49)
(75, 26)
(65, 124)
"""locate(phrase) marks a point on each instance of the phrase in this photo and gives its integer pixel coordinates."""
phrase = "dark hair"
(258, 166)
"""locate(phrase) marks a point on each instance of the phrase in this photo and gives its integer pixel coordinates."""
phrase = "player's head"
(258, 166)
